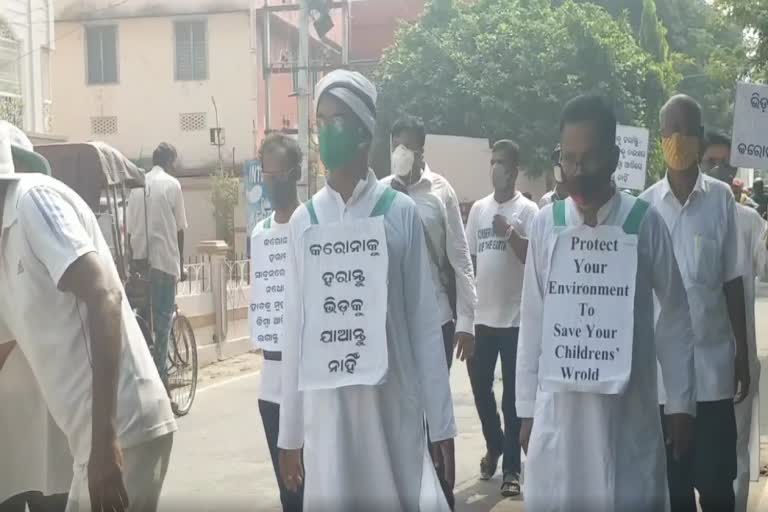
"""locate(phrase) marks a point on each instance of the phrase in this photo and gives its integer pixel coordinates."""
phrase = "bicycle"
(182, 366)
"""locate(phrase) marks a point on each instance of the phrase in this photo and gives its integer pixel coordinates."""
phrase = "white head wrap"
(354, 90)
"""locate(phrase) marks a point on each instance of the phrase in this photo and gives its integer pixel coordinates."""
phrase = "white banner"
(633, 162)
(589, 311)
(344, 341)
(750, 124)
(268, 264)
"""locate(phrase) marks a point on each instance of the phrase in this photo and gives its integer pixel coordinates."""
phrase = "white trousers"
(744, 430)
(144, 470)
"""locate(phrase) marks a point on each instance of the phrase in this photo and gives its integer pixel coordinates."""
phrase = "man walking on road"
(588, 351)
(280, 157)
(752, 259)
(497, 230)
(363, 356)
(449, 255)
(700, 213)
(166, 220)
(64, 305)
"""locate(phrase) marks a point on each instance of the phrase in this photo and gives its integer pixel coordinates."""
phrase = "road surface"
(221, 462)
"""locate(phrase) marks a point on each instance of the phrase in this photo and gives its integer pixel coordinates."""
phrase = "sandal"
(511, 486)
(488, 465)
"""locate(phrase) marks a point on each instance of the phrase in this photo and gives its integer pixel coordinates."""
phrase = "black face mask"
(281, 194)
(587, 189)
(724, 173)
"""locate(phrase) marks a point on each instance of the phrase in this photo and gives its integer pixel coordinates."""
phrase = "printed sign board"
(750, 125)
(633, 162)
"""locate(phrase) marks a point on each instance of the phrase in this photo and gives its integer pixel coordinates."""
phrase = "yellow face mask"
(681, 152)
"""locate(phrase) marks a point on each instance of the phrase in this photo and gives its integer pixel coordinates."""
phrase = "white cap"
(15, 145)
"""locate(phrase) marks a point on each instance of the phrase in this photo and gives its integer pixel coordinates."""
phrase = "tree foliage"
(751, 15)
(706, 48)
(504, 68)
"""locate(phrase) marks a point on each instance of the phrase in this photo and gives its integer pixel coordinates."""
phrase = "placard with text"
(589, 299)
(633, 161)
(750, 126)
(344, 339)
(268, 275)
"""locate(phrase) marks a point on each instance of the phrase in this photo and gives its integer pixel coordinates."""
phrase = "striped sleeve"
(54, 230)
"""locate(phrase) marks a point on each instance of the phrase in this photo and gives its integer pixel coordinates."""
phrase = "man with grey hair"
(700, 213)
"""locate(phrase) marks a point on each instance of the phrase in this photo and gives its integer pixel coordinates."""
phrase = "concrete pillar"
(217, 251)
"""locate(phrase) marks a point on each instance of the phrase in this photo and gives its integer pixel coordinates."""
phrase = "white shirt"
(35, 455)
(618, 434)
(271, 371)
(438, 207)
(499, 271)
(167, 217)
(46, 228)
(752, 257)
(548, 198)
(705, 238)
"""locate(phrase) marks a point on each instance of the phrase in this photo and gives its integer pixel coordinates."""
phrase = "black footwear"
(511, 486)
(488, 465)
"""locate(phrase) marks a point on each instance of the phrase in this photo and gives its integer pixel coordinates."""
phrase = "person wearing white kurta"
(365, 446)
(617, 438)
(752, 259)
(591, 451)
(752, 239)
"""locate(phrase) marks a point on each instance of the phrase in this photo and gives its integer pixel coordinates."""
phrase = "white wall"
(31, 21)
(147, 100)
(465, 162)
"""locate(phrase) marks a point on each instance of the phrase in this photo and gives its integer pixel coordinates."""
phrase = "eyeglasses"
(589, 163)
(337, 121)
(708, 165)
(278, 174)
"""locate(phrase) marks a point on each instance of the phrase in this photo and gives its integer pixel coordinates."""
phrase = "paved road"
(221, 462)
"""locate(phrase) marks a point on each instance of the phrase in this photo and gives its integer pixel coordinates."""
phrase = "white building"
(26, 43)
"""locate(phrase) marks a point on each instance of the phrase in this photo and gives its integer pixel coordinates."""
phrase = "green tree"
(504, 68)
(652, 35)
(751, 15)
(706, 47)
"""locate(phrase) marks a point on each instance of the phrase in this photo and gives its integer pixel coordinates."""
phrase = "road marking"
(228, 381)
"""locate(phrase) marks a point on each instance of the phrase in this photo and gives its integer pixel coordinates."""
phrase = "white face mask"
(402, 161)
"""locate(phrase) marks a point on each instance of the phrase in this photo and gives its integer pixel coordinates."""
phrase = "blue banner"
(257, 203)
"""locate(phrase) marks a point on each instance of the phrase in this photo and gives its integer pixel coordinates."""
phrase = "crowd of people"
(625, 325)
(670, 418)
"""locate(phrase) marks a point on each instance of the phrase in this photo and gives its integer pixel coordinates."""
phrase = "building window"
(191, 50)
(193, 122)
(104, 125)
(101, 50)
(9, 67)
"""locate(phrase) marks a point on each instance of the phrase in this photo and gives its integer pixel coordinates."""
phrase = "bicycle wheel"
(182, 365)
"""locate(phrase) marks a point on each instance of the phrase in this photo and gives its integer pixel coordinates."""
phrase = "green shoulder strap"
(635, 218)
(268, 223)
(381, 208)
(311, 209)
(558, 210)
(384, 202)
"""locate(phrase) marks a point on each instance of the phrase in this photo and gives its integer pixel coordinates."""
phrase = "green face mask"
(339, 144)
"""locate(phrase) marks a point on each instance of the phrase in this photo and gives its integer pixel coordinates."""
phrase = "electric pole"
(304, 94)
